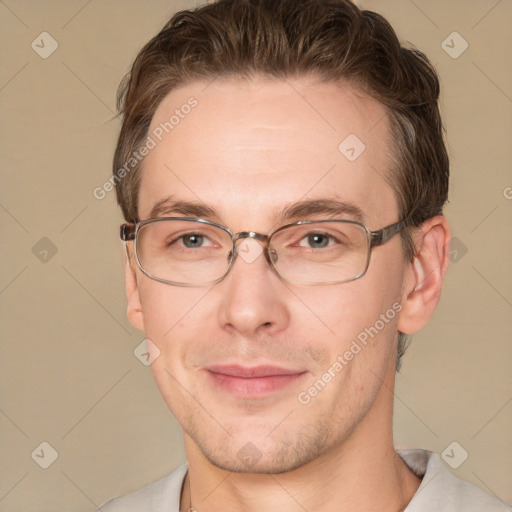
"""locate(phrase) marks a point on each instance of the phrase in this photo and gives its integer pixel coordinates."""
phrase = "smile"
(253, 382)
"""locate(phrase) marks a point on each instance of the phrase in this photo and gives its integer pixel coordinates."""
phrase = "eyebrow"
(169, 206)
(300, 210)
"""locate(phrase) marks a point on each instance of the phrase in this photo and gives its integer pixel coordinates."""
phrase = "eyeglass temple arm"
(384, 234)
(127, 231)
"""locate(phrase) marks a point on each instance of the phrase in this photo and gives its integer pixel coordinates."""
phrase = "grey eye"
(191, 241)
(318, 240)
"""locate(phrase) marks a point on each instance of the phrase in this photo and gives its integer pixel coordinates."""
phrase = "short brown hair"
(331, 39)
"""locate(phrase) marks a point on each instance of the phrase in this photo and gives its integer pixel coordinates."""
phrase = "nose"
(253, 297)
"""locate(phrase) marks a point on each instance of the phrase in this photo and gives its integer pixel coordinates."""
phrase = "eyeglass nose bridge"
(270, 253)
(249, 234)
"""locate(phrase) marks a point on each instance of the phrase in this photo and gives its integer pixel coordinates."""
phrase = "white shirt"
(439, 491)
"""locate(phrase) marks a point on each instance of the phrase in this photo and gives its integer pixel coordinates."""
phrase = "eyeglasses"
(185, 251)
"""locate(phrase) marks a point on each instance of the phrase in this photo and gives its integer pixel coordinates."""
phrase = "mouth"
(256, 381)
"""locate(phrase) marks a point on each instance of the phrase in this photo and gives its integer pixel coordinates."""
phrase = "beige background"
(68, 373)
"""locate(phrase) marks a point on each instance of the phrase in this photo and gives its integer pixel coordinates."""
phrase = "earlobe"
(134, 307)
(426, 271)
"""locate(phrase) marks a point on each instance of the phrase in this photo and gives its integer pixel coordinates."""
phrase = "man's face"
(248, 151)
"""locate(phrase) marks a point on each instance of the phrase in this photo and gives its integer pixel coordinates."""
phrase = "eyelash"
(331, 238)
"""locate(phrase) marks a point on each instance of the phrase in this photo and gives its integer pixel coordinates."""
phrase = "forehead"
(261, 144)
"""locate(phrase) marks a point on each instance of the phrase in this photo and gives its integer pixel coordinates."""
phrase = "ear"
(425, 274)
(134, 309)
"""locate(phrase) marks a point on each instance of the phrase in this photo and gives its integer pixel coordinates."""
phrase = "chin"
(264, 453)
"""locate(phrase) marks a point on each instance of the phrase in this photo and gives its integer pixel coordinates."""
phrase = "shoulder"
(161, 496)
(442, 491)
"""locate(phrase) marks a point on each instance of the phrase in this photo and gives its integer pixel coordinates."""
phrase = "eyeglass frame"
(129, 230)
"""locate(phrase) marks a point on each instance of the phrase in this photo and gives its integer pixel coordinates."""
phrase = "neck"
(362, 472)
(352, 478)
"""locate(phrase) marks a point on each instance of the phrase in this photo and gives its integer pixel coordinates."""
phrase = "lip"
(246, 381)
(249, 372)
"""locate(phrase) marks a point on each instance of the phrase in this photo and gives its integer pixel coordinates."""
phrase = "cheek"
(342, 312)
(174, 320)
(169, 309)
(358, 321)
